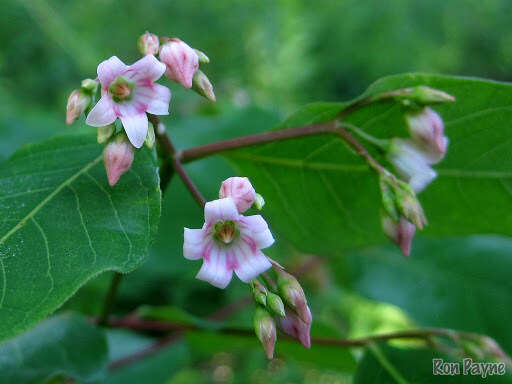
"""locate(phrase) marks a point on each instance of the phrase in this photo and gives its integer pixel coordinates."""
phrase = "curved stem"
(110, 298)
(168, 148)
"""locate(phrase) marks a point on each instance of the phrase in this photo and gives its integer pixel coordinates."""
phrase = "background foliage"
(268, 58)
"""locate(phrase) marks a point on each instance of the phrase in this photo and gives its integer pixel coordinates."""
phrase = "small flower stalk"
(118, 158)
(228, 242)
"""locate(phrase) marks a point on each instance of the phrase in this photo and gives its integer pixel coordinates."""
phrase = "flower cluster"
(130, 93)
(413, 159)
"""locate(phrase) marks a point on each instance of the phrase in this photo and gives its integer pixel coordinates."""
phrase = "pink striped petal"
(109, 69)
(148, 68)
(249, 263)
(102, 114)
(215, 269)
(194, 243)
(159, 105)
(257, 229)
(136, 128)
(221, 209)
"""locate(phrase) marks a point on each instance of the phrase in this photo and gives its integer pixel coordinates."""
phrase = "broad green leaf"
(63, 224)
(323, 197)
(67, 344)
(414, 366)
(462, 284)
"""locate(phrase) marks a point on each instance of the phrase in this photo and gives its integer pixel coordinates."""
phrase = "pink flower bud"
(240, 190)
(265, 329)
(427, 130)
(148, 44)
(400, 232)
(118, 158)
(181, 61)
(78, 102)
(293, 326)
(292, 293)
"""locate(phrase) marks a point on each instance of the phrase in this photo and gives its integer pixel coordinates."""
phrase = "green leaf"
(67, 345)
(462, 284)
(413, 365)
(322, 196)
(62, 224)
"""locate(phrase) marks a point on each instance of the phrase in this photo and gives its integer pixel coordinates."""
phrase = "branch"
(110, 298)
(202, 151)
(168, 148)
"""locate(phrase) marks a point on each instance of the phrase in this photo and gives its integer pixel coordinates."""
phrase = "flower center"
(121, 89)
(225, 231)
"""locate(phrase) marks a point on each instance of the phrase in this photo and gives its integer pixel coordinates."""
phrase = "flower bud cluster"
(282, 304)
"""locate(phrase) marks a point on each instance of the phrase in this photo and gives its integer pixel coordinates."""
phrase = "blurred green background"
(267, 59)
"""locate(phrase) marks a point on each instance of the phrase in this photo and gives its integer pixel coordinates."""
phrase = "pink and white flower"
(240, 190)
(118, 158)
(128, 92)
(181, 60)
(401, 232)
(227, 242)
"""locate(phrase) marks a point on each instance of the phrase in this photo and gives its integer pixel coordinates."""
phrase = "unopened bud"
(150, 137)
(259, 202)
(427, 130)
(265, 329)
(275, 304)
(78, 102)
(295, 327)
(409, 206)
(401, 232)
(388, 196)
(259, 292)
(426, 96)
(203, 59)
(148, 44)
(89, 85)
(240, 190)
(104, 133)
(291, 292)
(118, 157)
(412, 163)
(201, 84)
(181, 61)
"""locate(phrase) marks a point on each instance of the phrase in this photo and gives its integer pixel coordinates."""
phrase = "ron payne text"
(468, 367)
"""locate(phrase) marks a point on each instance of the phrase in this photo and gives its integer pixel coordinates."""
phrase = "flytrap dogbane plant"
(231, 241)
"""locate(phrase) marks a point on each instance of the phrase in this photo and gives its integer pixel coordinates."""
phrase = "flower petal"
(249, 263)
(215, 269)
(194, 244)
(136, 128)
(161, 96)
(102, 114)
(221, 209)
(256, 228)
(147, 68)
(109, 69)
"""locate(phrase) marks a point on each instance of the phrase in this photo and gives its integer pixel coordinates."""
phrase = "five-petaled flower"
(128, 92)
(228, 242)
